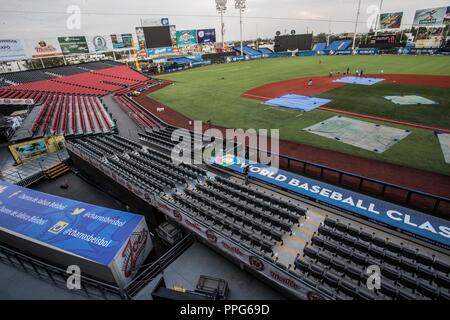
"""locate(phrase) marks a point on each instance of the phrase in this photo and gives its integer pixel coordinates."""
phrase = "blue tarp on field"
(294, 101)
(360, 80)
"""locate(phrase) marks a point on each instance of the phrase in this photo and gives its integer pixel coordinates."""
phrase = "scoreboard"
(385, 41)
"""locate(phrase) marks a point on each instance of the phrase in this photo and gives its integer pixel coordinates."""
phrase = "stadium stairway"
(57, 170)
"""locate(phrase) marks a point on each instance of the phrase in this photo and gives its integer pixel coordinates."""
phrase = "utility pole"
(356, 24)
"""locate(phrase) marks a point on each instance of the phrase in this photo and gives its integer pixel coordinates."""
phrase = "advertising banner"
(430, 17)
(11, 49)
(99, 43)
(29, 149)
(411, 221)
(155, 22)
(122, 41)
(447, 16)
(43, 48)
(73, 45)
(142, 49)
(186, 38)
(81, 229)
(159, 51)
(206, 36)
(21, 102)
(132, 254)
(173, 35)
(391, 20)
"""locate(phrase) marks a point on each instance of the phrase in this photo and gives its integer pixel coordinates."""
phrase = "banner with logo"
(122, 41)
(173, 36)
(11, 50)
(408, 220)
(43, 47)
(81, 229)
(21, 102)
(159, 51)
(391, 20)
(447, 16)
(155, 22)
(186, 38)
(99, 43)
(73, 45)
(430, 17)
(141, 47)
(205, 36)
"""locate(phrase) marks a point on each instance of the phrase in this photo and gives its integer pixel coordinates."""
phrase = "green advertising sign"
(186, 37)
(73, 45)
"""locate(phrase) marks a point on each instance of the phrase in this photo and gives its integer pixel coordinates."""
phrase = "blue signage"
(85, 230)
(414, 222)
(206, 36)
(159, 51)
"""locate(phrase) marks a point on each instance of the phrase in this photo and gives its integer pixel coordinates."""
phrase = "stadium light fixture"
(221, 6)
(240, 5)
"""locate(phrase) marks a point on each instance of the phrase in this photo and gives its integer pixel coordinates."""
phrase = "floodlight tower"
(221, 6)
(356, 24)
(240, 5)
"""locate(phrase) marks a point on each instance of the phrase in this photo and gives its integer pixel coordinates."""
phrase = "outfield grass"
(213, 93)
(349, 98)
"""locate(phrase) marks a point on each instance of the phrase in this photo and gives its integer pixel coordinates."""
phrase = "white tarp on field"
(409, 100)
(361, 134)
(444, 140)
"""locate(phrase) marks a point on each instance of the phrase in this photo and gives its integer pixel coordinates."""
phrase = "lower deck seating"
(338, 256)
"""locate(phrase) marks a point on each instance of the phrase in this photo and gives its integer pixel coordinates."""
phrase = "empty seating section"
(248, 51)
(320, 46)
(65, 71)
(339, 254)
(339, 45)
(162, 138)
(89, 80)
(265, 51)
(254, 220)
(141, 116)
(100, 65)
(152, 170)
(27, 76)
(98, 78)
(124, 73)
(4, 83)
(57, 87)
(71, 115)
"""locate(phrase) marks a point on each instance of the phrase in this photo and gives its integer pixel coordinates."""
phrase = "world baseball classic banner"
(413, 222)
(391, 20)
(430, 17)
(11, 50)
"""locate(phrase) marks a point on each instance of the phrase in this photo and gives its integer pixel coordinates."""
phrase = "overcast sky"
(109, 17)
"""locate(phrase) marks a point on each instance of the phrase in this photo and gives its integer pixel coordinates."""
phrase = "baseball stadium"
(171, 162)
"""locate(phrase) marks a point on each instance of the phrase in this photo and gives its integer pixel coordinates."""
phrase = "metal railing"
(430, 203)
(32, 171)
(90, 288)
(152, 271)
